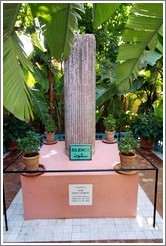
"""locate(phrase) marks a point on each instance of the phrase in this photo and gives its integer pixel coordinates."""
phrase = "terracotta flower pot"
(128, 161)
(110, 135)
(49, 137)
(32, 163)
(147, 144)
(11, 145)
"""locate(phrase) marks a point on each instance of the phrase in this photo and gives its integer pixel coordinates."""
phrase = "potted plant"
(30, 145)
(110, 125)
(50, 128)
(126, 147)
(146, 127)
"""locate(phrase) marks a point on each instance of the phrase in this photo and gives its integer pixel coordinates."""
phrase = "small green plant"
(127, 143)
(50, 125)
(30, 144)
(109, 123)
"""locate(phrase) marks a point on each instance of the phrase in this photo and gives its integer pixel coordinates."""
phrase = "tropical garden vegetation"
(129, 58)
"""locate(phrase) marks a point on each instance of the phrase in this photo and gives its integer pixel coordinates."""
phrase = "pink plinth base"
(47, 196)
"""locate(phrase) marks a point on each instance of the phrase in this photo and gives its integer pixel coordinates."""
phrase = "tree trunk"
(51, 93)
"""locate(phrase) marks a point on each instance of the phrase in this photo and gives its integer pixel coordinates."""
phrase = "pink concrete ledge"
(102, 194)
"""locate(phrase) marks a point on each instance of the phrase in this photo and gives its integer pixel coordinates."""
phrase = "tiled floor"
(62, 230)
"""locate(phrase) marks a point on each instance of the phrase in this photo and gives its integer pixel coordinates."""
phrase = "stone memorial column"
(79, 92)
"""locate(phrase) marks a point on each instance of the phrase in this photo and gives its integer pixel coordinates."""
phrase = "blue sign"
(80, 152)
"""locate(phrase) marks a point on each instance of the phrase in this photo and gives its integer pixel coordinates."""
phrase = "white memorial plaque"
(80, 194)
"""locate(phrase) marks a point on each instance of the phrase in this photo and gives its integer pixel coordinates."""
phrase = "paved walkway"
(105, 230)
(67, 230)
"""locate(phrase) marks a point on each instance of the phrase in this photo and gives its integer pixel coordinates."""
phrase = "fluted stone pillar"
(79, 92)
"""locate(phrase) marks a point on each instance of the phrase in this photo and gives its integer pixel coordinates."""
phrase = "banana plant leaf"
(16, 94)
(40, 105)
(10, 12)
(104, 93)
(62, 18)
(142, 29)
(102, 12)
(59, 21)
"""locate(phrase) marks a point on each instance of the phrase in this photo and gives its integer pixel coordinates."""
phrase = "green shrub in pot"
(110, 126)
(30, 145)
(126, 147)
(50, 128)
(146, 127)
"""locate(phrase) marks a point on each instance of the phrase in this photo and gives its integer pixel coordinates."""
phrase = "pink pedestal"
(47, 196)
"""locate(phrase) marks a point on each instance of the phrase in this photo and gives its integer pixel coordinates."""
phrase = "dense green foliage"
(146, 126)
(50, 125)
(109, 123)
(128, 56)
(14, 128)
(30, 143)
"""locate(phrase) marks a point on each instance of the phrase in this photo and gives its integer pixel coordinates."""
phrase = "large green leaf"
(10, 12)
(40, 78)
(102, 12)
(16, 96)
(20, 53)
(104, 93)
(59, 17)
(151, 56)
(60, 20)
(141, 31)
(40, 105)
(132, 87)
